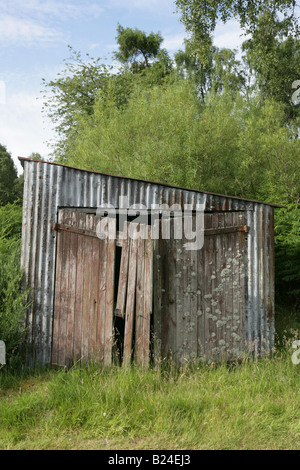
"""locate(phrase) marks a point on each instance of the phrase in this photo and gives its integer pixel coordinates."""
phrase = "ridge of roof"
(23, 159)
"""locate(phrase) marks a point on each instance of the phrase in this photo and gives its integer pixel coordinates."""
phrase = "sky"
(34, 39)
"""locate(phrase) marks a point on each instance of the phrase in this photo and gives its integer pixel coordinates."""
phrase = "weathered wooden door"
(135, 295)
(200, 295)
(84, 291)
(88, 291)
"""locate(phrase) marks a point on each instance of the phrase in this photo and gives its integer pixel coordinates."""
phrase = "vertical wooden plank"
(164, 278)
(87, 256)
(208, 247)
(228, 280)
(178, 280)
(187, 332)
(192, 328)
(235, 289)
(122, 285)
(148, 296)
(140, 294)
(169, 314)
(183, 317)
(78, 308)
(200, 302)
(71, 291)
(94, 302)
(157, 299)
(215, 349)
(63, 315)
(130, 304)
(219, 289)
(55, 340)
(242, 275)
(110, 277)
(103, 250)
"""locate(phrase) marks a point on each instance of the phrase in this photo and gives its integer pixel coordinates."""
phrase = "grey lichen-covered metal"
(49, 186)
(260, 305)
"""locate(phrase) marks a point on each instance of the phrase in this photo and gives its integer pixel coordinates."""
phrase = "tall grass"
(12, 299)
(247, 406)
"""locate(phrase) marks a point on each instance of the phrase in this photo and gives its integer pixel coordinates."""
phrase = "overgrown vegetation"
(254, 405)
(205, 120)
(12, 299)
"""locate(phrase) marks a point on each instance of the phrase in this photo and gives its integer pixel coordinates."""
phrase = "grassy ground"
(253, 405)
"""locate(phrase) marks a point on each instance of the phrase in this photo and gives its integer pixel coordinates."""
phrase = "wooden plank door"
(134, 297)
(223, 299)
(199, 296)
(84, 291)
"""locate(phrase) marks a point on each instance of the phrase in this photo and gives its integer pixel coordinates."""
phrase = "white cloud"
(36, 21)
(229, 35)
(94, 45)
(174, 42)
(22, 126)
(61, 9)
(155, 5)
(25, 31)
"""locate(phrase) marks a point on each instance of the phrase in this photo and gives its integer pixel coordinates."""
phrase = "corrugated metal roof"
(22, 159)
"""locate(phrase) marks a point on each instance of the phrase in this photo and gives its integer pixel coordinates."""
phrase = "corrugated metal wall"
(48, 187)
(260, 302)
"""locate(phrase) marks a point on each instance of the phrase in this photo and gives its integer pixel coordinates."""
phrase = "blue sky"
(34, 39)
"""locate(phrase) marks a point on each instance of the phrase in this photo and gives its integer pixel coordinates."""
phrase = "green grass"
(254, 405)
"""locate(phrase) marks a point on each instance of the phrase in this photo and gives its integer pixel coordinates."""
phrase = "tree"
(13, 299)
(135, 44)
(220, 71)
(73, 93)
(8, 177)
(35, 156)
(228, 144)
(200, 17)
(274, 60)
(189, 66)
(70, 98)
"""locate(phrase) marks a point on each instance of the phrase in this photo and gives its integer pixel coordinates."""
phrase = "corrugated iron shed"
(49, 186)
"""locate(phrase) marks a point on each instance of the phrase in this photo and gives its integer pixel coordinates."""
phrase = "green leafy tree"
(229, 143)
(221, 71)
(136, 48)
(189, 66)
(200, 17)
(143, 139)
(287, 238)
(35, 156)
(274, 59)
(8, 177)
(73, 93)
(19, 188)
(13, 301)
